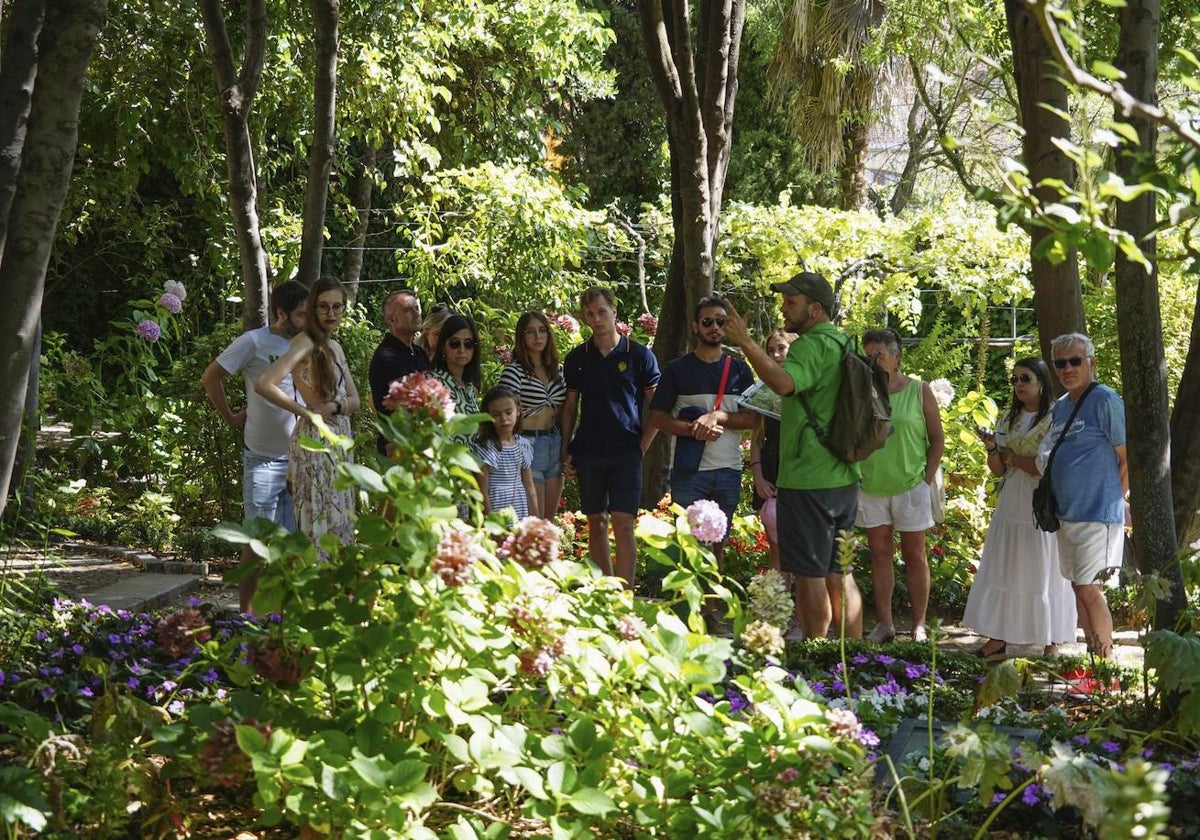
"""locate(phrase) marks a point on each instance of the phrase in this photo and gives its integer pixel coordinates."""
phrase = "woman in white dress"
(1019, 594)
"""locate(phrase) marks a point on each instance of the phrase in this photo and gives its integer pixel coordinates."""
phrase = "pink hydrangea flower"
(533, 543)
(420, 393)
(565, 322)
(148, 330)
(504, 354)
(630, 627)
(623, 328)
(707, 521)
(537, 662)
(170, 302)
(174, 287)
(648, 322)
(456, 557)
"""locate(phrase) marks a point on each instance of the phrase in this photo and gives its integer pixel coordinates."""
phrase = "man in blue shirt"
(609, 380)
(686, 405)
(1090, 480)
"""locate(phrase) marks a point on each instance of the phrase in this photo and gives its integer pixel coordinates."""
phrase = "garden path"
(137, 580)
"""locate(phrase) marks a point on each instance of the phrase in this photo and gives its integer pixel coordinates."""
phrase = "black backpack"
(862, 412)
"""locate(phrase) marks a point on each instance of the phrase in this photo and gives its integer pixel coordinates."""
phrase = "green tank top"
(900, 465)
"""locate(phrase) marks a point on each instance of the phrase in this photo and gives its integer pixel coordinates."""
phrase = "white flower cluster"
(770, 600)
(943, 392)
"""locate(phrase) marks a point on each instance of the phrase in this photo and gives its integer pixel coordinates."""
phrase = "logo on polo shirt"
(622, 366)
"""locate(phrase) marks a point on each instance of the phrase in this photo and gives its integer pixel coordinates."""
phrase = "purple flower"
(174, 287)
(861, 659)
(210, 677)
(47, 693)
(170, 303)
(1032, 795)
(998, 797)
(148, 330)
(77, 650)
(707, 521)
(884, 659)
(86, 692)
(1110, 747)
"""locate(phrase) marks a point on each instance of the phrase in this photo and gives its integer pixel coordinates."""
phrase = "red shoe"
(1090, 687)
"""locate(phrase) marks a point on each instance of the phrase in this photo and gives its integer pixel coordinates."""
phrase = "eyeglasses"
(462, 343)
(331, 308)
(535, 331)
(1074, 361)
(1025, 378)
(708, 322)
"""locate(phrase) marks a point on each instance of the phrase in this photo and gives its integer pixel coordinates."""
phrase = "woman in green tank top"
(896, 487)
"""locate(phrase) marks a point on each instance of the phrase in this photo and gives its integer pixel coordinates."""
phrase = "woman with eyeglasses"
(897, 487)
(456, 364)
(1019, 594)
(322, 379)
(536, 377)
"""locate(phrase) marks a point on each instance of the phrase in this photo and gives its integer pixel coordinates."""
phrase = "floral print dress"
(320, 509)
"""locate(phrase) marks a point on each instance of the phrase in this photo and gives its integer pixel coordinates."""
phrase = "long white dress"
(1019, 594)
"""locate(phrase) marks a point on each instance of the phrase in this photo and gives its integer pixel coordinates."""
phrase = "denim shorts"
(609, 482)
(547, 454)
(264, 489)
(723, 486)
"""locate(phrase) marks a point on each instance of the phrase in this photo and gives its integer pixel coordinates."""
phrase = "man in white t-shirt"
(266, 428)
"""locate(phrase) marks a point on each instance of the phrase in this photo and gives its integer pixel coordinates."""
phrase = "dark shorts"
(609, 483)
(721, 486)
(809, 521)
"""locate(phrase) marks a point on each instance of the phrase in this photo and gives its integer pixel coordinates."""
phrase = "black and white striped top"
(533, 393)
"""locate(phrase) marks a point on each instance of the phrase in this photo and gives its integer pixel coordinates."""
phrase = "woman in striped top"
(535, 376)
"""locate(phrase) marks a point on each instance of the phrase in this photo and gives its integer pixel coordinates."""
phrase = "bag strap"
(724, 379)
(1063, 434)
(822, 434)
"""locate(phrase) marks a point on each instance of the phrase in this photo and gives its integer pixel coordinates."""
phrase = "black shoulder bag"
(1045, 506)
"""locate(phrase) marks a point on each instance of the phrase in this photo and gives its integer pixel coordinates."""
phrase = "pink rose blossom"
(648, 322)
(420, 393)
(565, 322)
(623, 328)
(148, 330)
(170, 302)
(707, 521)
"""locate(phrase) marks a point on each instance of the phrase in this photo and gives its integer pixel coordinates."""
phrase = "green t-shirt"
(814, 364)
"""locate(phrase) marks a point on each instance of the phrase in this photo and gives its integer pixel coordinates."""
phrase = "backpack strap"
(821, 432)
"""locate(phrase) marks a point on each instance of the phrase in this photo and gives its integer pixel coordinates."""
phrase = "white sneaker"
(882, 633)
(919, 633)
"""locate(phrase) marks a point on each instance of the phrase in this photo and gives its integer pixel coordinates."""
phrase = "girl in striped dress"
(505, 456)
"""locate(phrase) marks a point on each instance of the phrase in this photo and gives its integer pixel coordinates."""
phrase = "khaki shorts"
(1086, 550)
(908, 511)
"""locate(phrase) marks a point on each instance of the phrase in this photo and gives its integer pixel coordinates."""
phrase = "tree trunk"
(65, 48)
(1057, 298)
(697, 84)
(18, 71)
(237, 91)
(363, 190)
(1139, 325)
(320, 156)
(852, 185)
(1185, 441)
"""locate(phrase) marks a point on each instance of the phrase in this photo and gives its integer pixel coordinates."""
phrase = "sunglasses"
(462, 343)
(1021, 377)
(1074, 361)
(708, 322)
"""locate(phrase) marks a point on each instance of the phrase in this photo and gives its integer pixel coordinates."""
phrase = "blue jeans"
(264, 489)
(723, 486)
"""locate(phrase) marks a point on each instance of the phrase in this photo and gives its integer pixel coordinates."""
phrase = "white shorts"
(1086, 550)
(909, 511)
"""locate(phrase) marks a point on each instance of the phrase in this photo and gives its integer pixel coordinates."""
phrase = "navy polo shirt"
(611, 390)
(392, 360)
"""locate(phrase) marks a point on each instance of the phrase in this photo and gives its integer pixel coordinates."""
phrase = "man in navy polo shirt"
(610, 379)
(696, 401)
(397, 355)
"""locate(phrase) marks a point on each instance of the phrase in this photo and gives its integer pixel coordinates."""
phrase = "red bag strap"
(724, 379)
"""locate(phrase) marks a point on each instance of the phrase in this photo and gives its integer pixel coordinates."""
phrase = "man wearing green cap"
(818, 494)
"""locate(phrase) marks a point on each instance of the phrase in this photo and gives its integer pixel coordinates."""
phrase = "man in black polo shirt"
(397, 355)
(610, 381)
